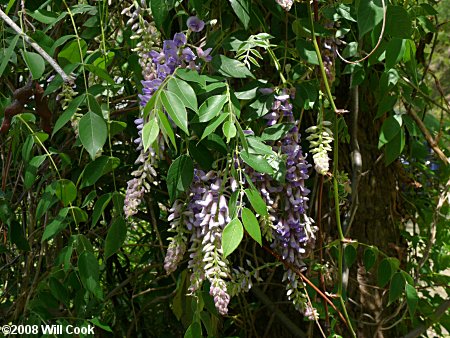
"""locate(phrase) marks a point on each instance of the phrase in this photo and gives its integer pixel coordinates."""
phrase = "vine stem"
(36, 47)
(335, 169)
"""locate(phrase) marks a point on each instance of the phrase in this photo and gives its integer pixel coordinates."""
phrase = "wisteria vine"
(198, 221)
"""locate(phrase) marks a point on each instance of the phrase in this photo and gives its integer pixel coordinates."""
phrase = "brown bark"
(375, 223)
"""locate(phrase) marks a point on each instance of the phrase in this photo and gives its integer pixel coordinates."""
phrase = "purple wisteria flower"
(195, 24)
(204, 54)
(208, 215)
(288, 203)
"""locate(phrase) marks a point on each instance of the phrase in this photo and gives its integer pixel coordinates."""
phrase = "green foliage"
(75, 257)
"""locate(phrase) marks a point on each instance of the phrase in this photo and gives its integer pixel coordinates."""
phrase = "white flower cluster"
(319, 140)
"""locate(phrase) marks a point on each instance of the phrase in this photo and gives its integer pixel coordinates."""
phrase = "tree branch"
(428, 137)
(434, 318)
(36, 47)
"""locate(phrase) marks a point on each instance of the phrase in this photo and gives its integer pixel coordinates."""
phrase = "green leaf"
(35, 63)
(58, 291)
(396, 288)
(70, 54)
(8, 54)
(390, 128)
(160, 12)
(99, 207)
(255, 146)
(176, 110)
(395, 147)
(412, 298)
(27, 148)
(386, 269)
(78, 214)
(306, 51)
(242, 10)
(251, 224)
(88, 269)
(369, 14)
(212, 126)
(211, 107)
(395, 50)
(350, 254)
(97, 323)
(166, 128)
(350, 50)
(229, 130)
(184, 91)
(230, 67)
(276, 132)
(257, 162)
(370, 257)
(194, 331)
(55, 226)
(256, 201)
(32, 169)
(66, 191)
(232, 236)
(150, 132)
(92, 132)
(387, 104)
(201, 155)
(398, 22)
(191, 76)
(117, 234)
(179, 176)
(384, 272)
(68, 113)
(96, 169)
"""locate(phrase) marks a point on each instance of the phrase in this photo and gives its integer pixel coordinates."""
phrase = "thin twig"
(36, 47)
(376, 46)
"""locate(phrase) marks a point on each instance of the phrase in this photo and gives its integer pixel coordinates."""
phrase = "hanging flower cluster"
(320, 140)
(287, 203)
(157, 65)
(204, 216)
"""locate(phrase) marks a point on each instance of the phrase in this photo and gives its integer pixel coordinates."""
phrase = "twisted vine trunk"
(375, 223)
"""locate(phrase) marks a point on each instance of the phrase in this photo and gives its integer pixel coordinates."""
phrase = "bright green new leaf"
(184, 91)
(257, 162)
(412, 298)
(232, 236)
(251, 224)
(256, 201)
(150, 132)
(211, 107)
(212, 126)
(176, 110)
(229, 130)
